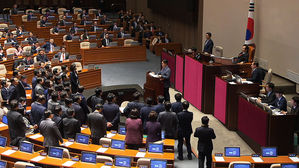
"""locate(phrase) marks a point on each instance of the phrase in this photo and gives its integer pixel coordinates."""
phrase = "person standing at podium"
(164, 75)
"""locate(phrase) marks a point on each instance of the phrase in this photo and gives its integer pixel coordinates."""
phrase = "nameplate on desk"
(3, 125)
(68, 163)
(140, 154)
(67, 143)
(110, 135)
(82, 128)
(219, 159)
(102, 150)
(38, 158)
(106, 167)
(294, 159)
(8, 152)
(257, 159)
(36, 136)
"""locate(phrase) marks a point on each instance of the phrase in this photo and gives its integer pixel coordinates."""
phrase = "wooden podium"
(153, 87)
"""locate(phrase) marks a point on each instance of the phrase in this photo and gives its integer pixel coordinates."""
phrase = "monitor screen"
(55, 152)
(117, 144)
(2, 141)
(122, 130)
(289, 166)
(89, 157)
(82, 138)
(2, 164)
(4, 119)
(241, 165)
(123, 161)
(232, 151)
(269, 152)
(26, 147)
(158, 164)
(155, 148)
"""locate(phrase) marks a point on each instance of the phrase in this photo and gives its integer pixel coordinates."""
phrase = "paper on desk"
(102, 150)
(140, 154)
(294, 159)
(67, 143)
(154, 75)
(2, 125)
(121, 109)
(257, 159)
(36, 136)
(8, 152)
(68, 163)
(110, 135)
(82, 128)
(106, 167)
(219, 159)
(38, 158)
(247, 82)
(232, 83)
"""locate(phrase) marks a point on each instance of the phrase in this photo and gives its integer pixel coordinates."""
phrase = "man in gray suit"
(97, 124)
(50, 131)
(16, 125)
(39, 89)
(168, 121)
(63, 55)
(164, 75)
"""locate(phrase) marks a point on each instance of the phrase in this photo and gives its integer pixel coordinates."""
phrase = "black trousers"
(166, 94)
(95, 141)
(181, 142)
(201, 159)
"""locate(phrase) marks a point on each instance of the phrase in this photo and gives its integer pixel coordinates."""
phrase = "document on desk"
(154, 75)
(294, 159)
(257, 159)
(67, 143)
(219, 159)
(140, 154)
(8, 152)
(110, 135)
(106, 167)
(2, 125)
(102, 150)
(36, 136)
(68, 163)
(232, 83)
(82, 128)
(38, 158)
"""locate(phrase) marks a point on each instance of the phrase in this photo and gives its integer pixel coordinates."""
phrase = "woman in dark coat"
(74, 78)
(134, 135)
(153, 128)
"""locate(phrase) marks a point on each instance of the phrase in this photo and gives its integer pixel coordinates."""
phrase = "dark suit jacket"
(37, 112)
(16, 126)
(153, 130)
(164, 40)
(104, 43)
(184, 127)
(166, 72)
(281, 104)
(74, 81)
(177, 107)
(205, 136)
(97, 124)
(132, 105)
(32, 40)
(73, 29)
(5, 93)
(12, 91)
(71, 126)
(62, 22)
(50, 131)
(47, 46)
(269, 99)
(28, 62)
(144, 112)
(29, 17)
(257, 76)
(58, 55)
(42, 58)
(111, 114)
(55, 30)
(169, 123)
(79, 113)
(43, 23)
(21, 90)
(159, 108)
(243, 57)
(94, 100)
(69, 37)
(119, 35)
(208, 46)
(58, 121)
(295, 111)
(2, 55)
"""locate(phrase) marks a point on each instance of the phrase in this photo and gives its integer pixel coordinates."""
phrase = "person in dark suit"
(164, 75)
(94, 27)
(134, 104)
(177, 106)
(19, 31)
(50, 131)
(22, 86)
(134, 130)
(62, 21)
(83, 21)
(28, 60)
(49, 46)
(106, 41)
(71, 126)
(121, 33)
(14, 9)
(31, 39)
(159, 32)
(39, 89)
(69, 36)
(244, 55)
(205, 144)
(103, 20)
(83, 103)
(29, 16)
(168, 121)
(153, 128)
(79, 113)
(12, 90)
(43, 21)
(104, 33)
(53, 101)
(62, 55)
(4, 90)
(280, 101)
(16, 124)
(97, 124)
(38, 109)
(166, 38)
(160, 106)
(209, 44)
(257, 75)
(295, 111)
(56, 29)
(270, 96)
(73, 29)
(184, 130)
(37, 74)
(2, 54)
(74, 78)
(145, 110)
(57, 113)
(11, 39)
(96, 99)
(111, 112)
(35, 48)
(42, 57)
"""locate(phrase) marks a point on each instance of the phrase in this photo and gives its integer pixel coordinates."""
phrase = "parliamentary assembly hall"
(149, 84)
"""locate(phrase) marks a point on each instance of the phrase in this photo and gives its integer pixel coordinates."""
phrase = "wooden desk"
(267, 161)
(90, 78)
(16, 19)
(113, 54)
(166, 142)
(260, 128)
(226, 100)
(73, 47)
(158, 48)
